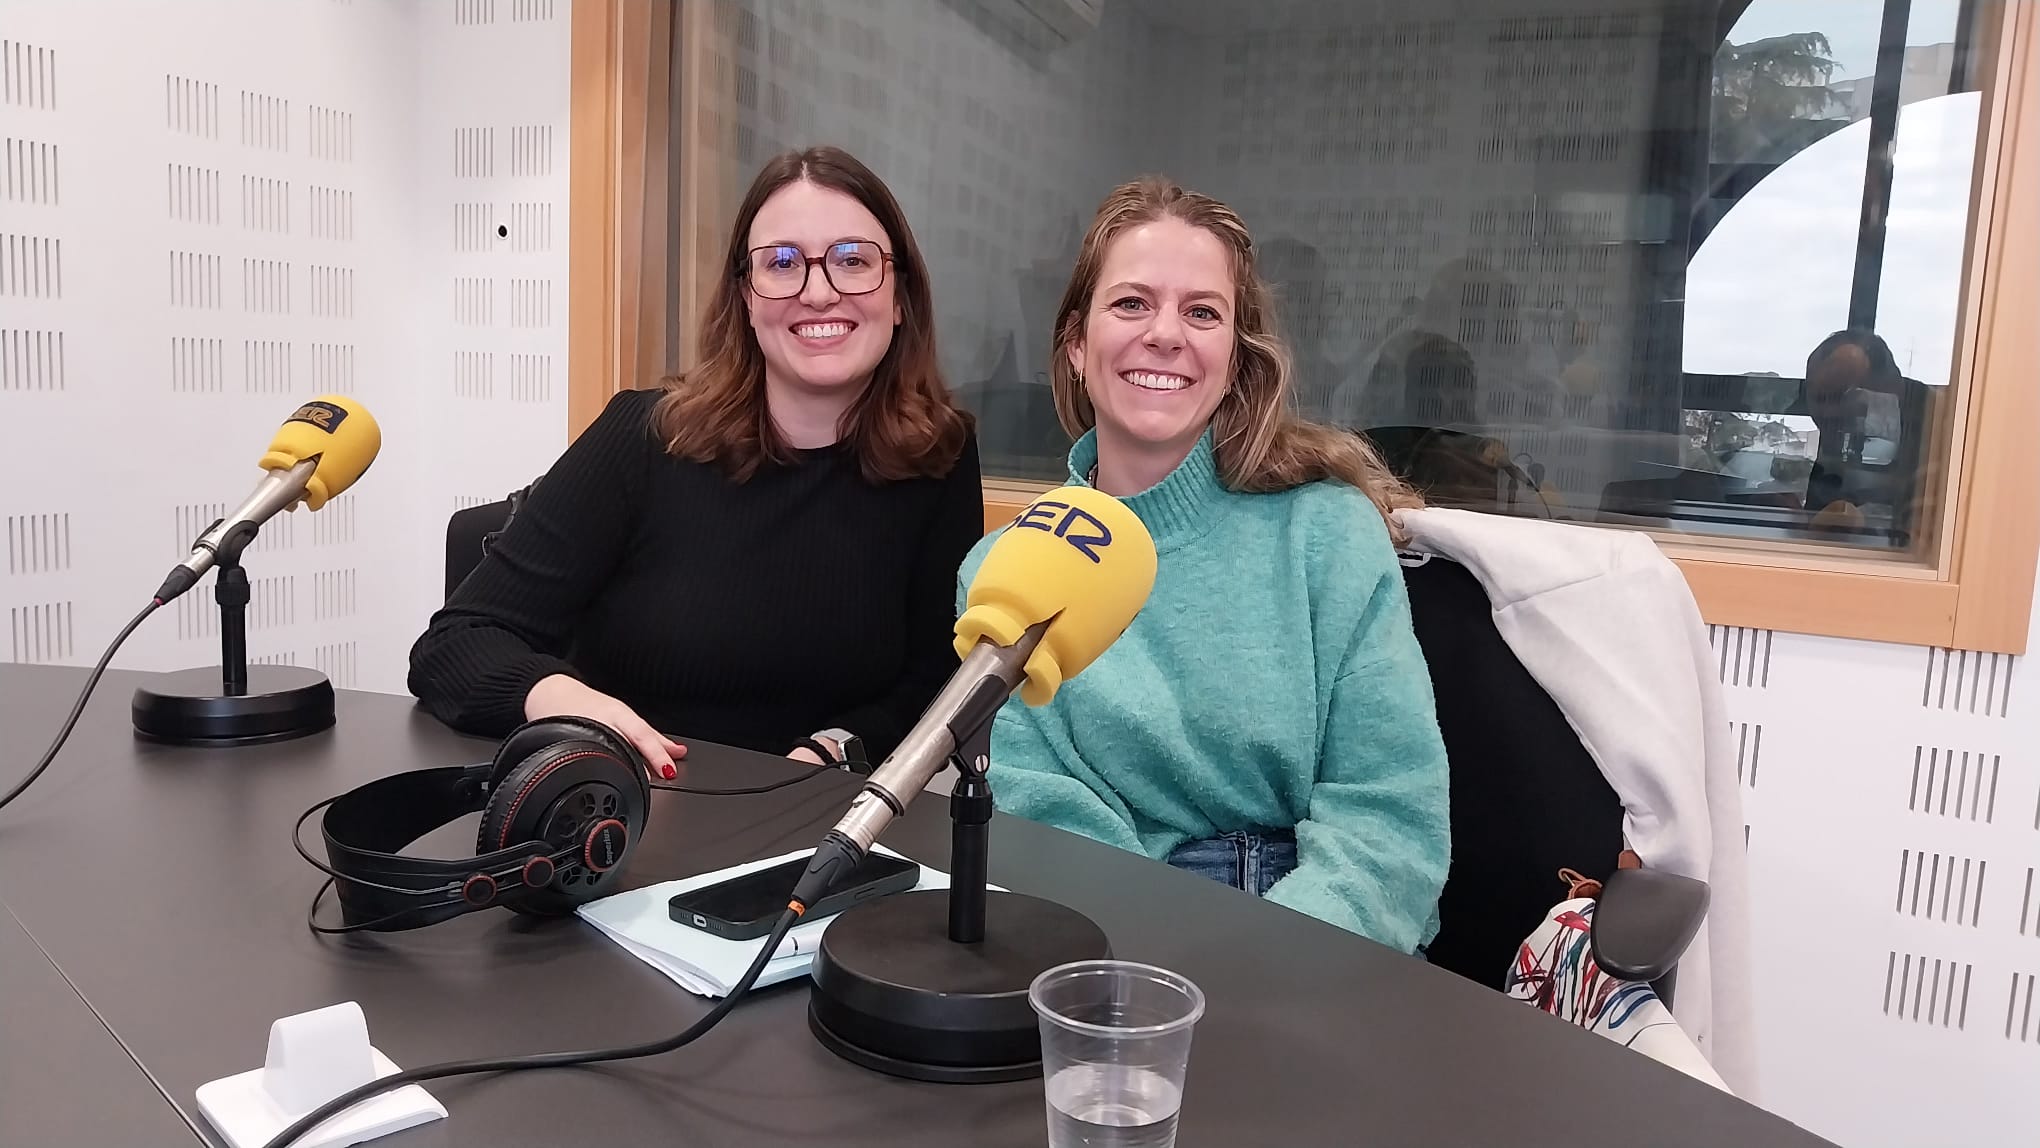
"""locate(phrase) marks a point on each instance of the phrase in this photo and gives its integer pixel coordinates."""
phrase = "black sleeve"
(957, 524)
(509, 624)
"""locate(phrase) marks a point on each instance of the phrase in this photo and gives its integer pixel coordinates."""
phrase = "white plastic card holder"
(314, 1057)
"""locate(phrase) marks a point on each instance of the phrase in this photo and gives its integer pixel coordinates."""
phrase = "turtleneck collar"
(1175, 510)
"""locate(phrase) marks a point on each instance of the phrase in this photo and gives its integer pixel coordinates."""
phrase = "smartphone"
(747, 906)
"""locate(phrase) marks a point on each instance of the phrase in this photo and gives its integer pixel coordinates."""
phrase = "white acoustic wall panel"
(225, 209)
(1893, 801)
(191, 304)
(491, 257)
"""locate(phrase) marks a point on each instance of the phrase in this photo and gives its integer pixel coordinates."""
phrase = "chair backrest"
(471, 531)
(1527, 798)
(468, 534)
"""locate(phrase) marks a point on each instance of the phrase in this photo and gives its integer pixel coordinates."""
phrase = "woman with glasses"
(760, 551)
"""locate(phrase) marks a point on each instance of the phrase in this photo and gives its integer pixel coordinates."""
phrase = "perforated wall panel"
(199, 232)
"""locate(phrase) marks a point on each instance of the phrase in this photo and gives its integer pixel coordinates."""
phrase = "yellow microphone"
(337, 435)
(319, 451)
(1057, 588)
(1077, 564)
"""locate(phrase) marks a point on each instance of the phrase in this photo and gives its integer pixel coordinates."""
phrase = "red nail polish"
(667, 772)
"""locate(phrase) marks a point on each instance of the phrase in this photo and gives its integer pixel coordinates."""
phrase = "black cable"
(84, 695)
(550, 1059)
(461, 1067)
(746, 791)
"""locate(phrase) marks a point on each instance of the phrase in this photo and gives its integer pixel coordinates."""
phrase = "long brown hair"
(904, 425)
(1260, 442)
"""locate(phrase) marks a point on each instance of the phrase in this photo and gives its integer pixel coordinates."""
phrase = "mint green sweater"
(1271, 681)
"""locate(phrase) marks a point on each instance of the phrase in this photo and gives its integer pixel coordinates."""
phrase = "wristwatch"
(851, 749)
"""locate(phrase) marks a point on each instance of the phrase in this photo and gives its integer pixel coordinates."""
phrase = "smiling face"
(1156, 348)
(820, 340)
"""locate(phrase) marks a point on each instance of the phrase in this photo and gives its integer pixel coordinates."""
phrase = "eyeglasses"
(781, 271)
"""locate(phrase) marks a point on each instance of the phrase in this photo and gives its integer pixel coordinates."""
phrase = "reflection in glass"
(1645, 262)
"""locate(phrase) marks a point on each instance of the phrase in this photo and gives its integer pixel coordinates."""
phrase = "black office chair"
(473, 530)
(1527, 801)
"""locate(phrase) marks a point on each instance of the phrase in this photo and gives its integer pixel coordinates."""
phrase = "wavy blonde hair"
(1261, 442)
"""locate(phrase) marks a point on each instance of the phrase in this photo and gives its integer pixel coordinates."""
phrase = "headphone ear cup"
(578, 797)
(534, 737)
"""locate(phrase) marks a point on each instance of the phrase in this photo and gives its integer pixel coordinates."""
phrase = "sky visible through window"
(1849, 25)
(1773, 279)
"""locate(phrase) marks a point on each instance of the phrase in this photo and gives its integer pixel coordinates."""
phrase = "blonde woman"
(1267, 720)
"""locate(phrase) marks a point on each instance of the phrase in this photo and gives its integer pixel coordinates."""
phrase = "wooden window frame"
(618, 247)
(1975, 594)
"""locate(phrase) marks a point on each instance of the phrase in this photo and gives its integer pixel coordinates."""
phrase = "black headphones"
(563, 805)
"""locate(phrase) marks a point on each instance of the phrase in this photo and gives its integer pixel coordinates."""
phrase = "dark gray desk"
(163, 884)
(64, 1079)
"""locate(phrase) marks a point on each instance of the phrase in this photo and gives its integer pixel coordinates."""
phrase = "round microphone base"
(191, 707)
(893, 993)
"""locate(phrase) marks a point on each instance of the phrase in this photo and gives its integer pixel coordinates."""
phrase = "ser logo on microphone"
(1076, 526)
(326, 416)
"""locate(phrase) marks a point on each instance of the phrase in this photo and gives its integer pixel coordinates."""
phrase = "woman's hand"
(803, 753)
(562, 696)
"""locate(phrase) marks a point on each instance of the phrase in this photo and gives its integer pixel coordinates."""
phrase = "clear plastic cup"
(1115, 1044)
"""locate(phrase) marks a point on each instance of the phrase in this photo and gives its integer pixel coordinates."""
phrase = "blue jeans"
(1252, 862)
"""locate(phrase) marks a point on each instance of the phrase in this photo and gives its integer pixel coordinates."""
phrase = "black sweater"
(747, 613)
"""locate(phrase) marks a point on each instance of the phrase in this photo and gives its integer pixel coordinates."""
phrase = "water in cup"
(1115, 1046)
(1112, 1106)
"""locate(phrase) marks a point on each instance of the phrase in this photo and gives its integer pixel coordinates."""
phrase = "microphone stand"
(932, 985)
(237, 704)
(970, 847)
(231, 591)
